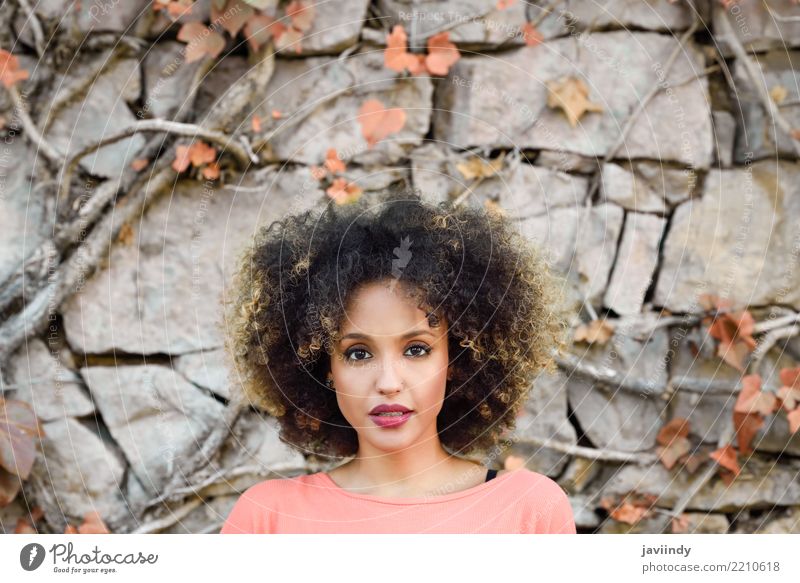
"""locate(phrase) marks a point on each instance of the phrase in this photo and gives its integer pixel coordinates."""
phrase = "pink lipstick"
(390, 415)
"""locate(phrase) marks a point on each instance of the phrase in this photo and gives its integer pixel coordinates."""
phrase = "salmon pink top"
(519, 501)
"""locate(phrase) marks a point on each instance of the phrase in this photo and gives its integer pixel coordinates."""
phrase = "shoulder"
(545, 501)
(253, 510)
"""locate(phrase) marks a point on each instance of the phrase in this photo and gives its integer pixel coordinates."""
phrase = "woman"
(403, 338)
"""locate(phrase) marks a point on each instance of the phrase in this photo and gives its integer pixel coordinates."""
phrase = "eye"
(425, 349)
(350, 352)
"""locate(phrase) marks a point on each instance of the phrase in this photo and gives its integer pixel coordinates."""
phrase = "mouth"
(391, 418)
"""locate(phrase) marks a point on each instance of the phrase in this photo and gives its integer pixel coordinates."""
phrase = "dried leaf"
(794, 420)
(10, 485)
(93, 524)
(503, 4)
(670, 454)
(477, 167)
(301, 15)
(675, 428)
(276, 114)
(396, 56)
(139, 164)
(201, 41)
(201, 153)
(752, 399)
(778, 94)
(571, 95)
(24, 527)
(746, 426)
(628, 513)
(333, 163)
(377, 122)
(595, 332)
(288, 37)
(726, 457)
(181, 161)
(10, 73)
(233, 16)
(344, 192)
(680, 524)
(211, 172)
(19, 428)
(442, 54)
(260, 29)
(255, 123)
(531, 35)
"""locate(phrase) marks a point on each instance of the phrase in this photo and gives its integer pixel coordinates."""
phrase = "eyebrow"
(367, 337)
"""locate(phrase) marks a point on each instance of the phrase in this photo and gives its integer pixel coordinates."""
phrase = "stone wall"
(678, 182)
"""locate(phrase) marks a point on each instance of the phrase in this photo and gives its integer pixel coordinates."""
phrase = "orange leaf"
(752, 399)
(139, 164)
(24, 527)
(377, 122)
(596, 331)
(628, 513)
(746, 426)
(675, 450)
(256, 123)
(531, 35)
(201, 153)
(289, 37)
(503, 4)
(677, 427)
(333, 163)
(276, 114)
(680, 524)
(181, 161)
(794, 420)
(69, 529)
(789, 397)
(10, 73)
(201, 41)
(726, 457)
(790, 377)
(260, 29)
(302, 16)
(93, 524)
(211, 172)
(442, 54)
(396, 57)
(344, 192)
(232, 17)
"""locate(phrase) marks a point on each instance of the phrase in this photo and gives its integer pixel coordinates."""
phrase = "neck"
(413, 471)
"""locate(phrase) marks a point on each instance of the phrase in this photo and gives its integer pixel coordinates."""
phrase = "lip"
(393, 421)
(389, 408)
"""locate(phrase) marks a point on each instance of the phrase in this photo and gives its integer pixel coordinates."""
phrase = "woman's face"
(388, 354)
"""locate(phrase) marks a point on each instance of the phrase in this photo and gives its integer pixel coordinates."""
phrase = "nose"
(389, 378)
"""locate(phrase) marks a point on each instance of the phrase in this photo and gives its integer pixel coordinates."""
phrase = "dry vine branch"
(32, 132)
(753, 74)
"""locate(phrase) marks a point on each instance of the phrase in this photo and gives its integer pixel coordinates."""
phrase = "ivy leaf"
(333, 163)
(10, 73)
(673, 438)
(596, 331)
(442, 54)
(572, 96)
(396, 56)
(233, 16)
(531, 35)
(726, 457)
(377, 122)
(344, 192)
(301, 15)
(201, 41)
(19, 428)
(260, 29)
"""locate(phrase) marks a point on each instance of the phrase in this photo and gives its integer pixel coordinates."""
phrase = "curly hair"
(503, 305)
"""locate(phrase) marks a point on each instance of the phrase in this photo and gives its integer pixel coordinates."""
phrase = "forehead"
(386, 309)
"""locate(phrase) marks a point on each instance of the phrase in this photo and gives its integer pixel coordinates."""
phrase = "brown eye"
(352, 351)
(425, 349)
